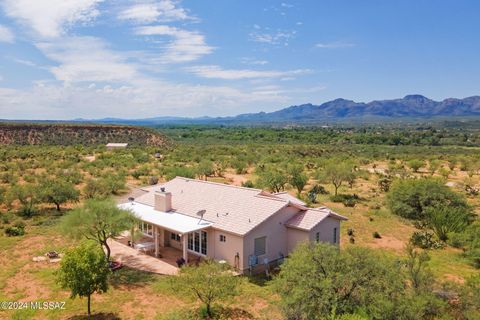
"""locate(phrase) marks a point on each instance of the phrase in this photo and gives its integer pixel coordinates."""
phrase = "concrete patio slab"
(138, 260)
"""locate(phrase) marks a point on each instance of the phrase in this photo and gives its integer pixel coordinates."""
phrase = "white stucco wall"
(228, 249)
(296, 236)
(276, 236)
(326, 230)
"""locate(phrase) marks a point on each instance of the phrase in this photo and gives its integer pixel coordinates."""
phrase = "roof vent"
(162, 189)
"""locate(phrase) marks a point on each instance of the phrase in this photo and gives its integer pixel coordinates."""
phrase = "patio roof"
(172, 221)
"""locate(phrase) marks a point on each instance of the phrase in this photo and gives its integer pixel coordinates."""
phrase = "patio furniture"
(145, 247)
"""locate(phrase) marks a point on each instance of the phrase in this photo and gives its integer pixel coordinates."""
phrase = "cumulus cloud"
(154, 11)
(86, 59)
(211, 71)
(185, 46)
(6, 35)
(141, 98)
(50, 18)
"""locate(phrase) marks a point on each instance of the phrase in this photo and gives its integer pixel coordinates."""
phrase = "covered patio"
(166, 234)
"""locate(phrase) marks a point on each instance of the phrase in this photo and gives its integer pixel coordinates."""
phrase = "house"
(241, 226)
(112, 146)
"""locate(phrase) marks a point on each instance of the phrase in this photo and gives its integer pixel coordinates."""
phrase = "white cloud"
(25, 62)
(6, 35)
(154, 11)
(217, 72)
(185, 46)
(50, 18)
(141, 98)
(252, 61)
(86, 59)
(279, 37)
(334, 45)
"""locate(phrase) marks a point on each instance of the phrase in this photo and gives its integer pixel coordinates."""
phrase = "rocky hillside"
(409, 106)
(66, 134)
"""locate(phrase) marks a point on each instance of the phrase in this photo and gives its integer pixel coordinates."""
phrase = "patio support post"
(185, 253)
(155, 234)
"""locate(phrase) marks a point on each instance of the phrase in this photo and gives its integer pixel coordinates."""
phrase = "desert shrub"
(240, 166)
(17, 229)
(172, 172)
(320, 282)
(384, 184)
(7, 217)
(248, 184)
(469, 241)
(412, 197)
(415, 164)
(445, 220)
(473, 255)
(95, 188)
(152, 180)
(425, 240)
(376, 235)
(348, 200)
(8, 177)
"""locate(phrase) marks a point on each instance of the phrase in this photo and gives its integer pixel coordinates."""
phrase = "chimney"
(163, 200)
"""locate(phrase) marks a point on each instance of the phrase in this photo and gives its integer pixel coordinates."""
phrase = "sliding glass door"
(197, 242)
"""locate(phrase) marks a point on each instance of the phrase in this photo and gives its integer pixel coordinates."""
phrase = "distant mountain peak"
(416, 97)
(412, 106)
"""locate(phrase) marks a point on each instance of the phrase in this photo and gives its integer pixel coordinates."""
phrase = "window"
(197, 242)
(260, 246)
(223, 238)
(175, 236)
(146, 228)
(317, 237)
(334, 235)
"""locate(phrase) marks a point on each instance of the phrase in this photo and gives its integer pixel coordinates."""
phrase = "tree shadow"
(232, 313)
(97, 316)
(130, 277)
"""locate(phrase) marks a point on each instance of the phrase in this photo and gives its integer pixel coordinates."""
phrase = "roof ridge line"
(217, 183)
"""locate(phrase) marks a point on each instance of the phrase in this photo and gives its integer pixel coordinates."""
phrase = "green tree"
(433, 166)
(335, 172)
(297, 178)
(98, 220)
(209, 282)
(27, 195)
(58, 192)
(95, 188)
(318, 281)
(205, 169)
(412, 197)
(417, 269)
(273, 179)
(84, 271)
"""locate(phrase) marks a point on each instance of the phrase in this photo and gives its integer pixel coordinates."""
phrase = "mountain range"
(410, 106)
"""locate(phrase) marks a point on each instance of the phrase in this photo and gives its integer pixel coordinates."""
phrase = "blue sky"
(63, 59)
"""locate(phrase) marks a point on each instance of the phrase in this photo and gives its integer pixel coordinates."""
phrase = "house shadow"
(97, 316)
